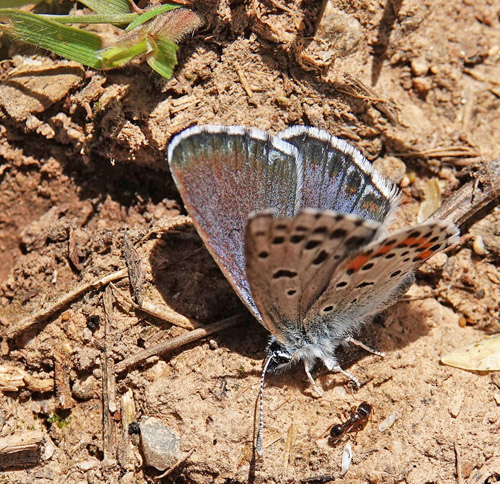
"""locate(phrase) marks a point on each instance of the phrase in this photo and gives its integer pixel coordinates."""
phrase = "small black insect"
(356, 422)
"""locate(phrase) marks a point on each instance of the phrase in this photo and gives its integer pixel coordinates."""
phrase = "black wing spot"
(434, 239)
(364, 284)
(414, 234)
(414, 246)
(284, 273)
(390, 255)
(327, 309)
(350, 272)
(436, 247)
(406, 252)
(355, 241)
(337, 234)
(291, 292)
(355, 300)
(296, 238)
(301, 228)
(395, 273)
(278, 240)
(341, 284)
(321, 257)
(338, 217)
(405, 260)
(263, 254)
(281, 226)
(312, 244)
(359, 222)
(319, 230)
(427, 235)
(368, 266)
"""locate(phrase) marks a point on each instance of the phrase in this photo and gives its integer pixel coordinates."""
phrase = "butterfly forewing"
(349, 183)
(290, 261)
(223, 174)
(374, 276)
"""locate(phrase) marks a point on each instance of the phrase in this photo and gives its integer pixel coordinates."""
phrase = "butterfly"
(297, 222)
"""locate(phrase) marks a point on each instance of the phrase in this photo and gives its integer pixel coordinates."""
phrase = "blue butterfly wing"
(224, 173)
(336, 176)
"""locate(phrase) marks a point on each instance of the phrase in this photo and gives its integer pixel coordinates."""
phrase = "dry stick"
(467, 201)
(177, 464)
(177, 342)
(108, 383)
(161, 312)
(44, 314)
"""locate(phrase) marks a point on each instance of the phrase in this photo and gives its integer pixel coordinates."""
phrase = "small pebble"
(391, 167)
(419, 67)
(84, 388)
(478, 246)
(388, 422)
(160, 445)
(405, 181)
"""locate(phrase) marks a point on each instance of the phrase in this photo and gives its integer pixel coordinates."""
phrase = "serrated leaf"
(107, 6)
(163, 57)
(68, 42)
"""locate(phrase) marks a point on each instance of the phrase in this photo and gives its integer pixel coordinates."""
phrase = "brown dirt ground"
(82, 163)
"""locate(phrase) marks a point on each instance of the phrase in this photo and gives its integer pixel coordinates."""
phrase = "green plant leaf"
(149, 14)
(163, 56)
(16, 3)
(68, 42)
(116, 56)
(107, 6)
(114, 19)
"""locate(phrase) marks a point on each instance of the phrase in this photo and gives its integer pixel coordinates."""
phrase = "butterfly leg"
(365, 347)
(347, 374)
(311, 379)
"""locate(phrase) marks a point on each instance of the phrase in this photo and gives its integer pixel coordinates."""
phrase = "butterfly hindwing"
(223, 174)
(374, 276)
(290, 261)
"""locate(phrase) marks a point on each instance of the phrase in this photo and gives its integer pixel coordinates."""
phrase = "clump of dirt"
(414, 85)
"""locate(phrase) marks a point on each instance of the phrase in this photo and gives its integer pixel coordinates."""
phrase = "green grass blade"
(16, 3)
(114, 19)
(163, 57)
(68, 42)
(107, 6)
(149, 14)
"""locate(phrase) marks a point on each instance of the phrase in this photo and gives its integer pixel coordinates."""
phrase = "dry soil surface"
(413, 84)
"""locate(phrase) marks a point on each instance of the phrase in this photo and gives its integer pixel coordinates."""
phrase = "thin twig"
(458, 465)
(44, 314)
(161, 312)
(177, 464)
(177, 342)
(467, 201)
(108, 383)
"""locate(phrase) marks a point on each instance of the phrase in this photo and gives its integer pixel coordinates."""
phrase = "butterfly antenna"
(258, 445)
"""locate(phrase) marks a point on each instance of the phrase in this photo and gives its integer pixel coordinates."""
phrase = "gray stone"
(160, 445)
